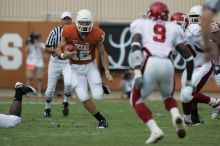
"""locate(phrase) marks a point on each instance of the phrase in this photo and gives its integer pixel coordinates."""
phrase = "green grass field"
(79, 128)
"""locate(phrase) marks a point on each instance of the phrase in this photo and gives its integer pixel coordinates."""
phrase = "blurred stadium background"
(18, 18)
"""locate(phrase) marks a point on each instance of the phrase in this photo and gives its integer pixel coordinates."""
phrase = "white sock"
(187, 117)
(65, 98)
(175, 112)
(152, 125)
(47, 105)
(212, 101)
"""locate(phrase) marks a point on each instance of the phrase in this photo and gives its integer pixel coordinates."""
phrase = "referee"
(57, 66)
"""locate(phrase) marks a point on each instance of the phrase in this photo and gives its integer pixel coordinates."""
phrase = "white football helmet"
(84, 20)
(195, 14)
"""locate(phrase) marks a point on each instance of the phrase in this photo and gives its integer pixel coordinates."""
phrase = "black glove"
(106, 89)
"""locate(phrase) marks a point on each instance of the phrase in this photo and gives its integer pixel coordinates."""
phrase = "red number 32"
(160, 32)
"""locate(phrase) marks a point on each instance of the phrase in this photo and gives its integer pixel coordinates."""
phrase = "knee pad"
(49, 95)
(50, 92)
(82, 94)
(97, 91)
(186, 94)
(97, 94)
(48, 98)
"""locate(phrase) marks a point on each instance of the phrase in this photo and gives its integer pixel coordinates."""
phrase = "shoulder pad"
(193, 29)
(136, 23)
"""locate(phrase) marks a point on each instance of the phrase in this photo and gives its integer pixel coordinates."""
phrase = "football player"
(153, 42)
(87, 39)
(14, 117)
(182, 20)
(202, 71)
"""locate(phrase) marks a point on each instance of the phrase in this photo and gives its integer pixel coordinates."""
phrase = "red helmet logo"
(157, 11)
(181, 19)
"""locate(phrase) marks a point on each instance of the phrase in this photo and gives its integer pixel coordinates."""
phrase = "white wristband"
(137, 73)
(189, 59)
(62, 55)
(136, 58)
(135, 44)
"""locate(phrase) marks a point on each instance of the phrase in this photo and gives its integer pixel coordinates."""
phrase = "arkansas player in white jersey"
(153, 42)
(202, 69)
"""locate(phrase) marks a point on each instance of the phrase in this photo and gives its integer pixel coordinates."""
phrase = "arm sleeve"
(50, 39)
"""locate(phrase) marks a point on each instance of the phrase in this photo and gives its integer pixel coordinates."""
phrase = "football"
(68, 47)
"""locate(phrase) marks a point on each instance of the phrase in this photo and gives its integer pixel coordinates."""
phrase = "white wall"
(103, 10)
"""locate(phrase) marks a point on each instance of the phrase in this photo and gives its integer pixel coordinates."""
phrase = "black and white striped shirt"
(54, 37)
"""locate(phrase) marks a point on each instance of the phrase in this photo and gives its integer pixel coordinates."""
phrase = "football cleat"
(103, 124)
(106, 89)
(155, 136)
(47, 112)
(179, 126)
(195, 118)
(197, 123)
(65, 108)
(216, 110)
(188, 122)
(26, 90)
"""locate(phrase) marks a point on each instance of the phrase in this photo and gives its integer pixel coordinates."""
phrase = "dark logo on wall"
(117, 44)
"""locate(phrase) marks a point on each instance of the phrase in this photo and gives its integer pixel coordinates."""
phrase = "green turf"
(79, 128)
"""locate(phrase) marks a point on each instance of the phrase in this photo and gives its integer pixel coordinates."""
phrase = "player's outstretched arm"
(137, 60)
(104, 57)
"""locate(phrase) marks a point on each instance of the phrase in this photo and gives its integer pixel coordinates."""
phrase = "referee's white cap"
(66, 14)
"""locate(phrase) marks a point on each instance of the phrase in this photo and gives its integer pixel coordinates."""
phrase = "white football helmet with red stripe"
(84, 20)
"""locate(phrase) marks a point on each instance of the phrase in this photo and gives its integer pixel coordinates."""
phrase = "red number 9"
(160, 32)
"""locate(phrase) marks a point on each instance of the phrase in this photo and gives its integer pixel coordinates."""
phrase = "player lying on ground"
(14, 117)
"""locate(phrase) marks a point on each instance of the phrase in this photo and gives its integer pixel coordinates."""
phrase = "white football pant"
(9, 121)
(160, 72)
(84, 75)
(55, 69)
(199, 77)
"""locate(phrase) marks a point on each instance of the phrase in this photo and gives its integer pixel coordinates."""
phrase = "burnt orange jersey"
(85, 48)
